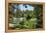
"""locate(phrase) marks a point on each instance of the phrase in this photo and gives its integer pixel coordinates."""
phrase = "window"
(25, 17)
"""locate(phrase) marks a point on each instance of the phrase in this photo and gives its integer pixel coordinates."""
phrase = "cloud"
(26, 7)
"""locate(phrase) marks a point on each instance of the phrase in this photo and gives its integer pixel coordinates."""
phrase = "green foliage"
(32, 18)
(31, 23)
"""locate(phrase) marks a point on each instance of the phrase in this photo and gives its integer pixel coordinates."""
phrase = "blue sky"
(22, 7)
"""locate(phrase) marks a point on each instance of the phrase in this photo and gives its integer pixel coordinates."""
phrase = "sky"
(24, 7)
